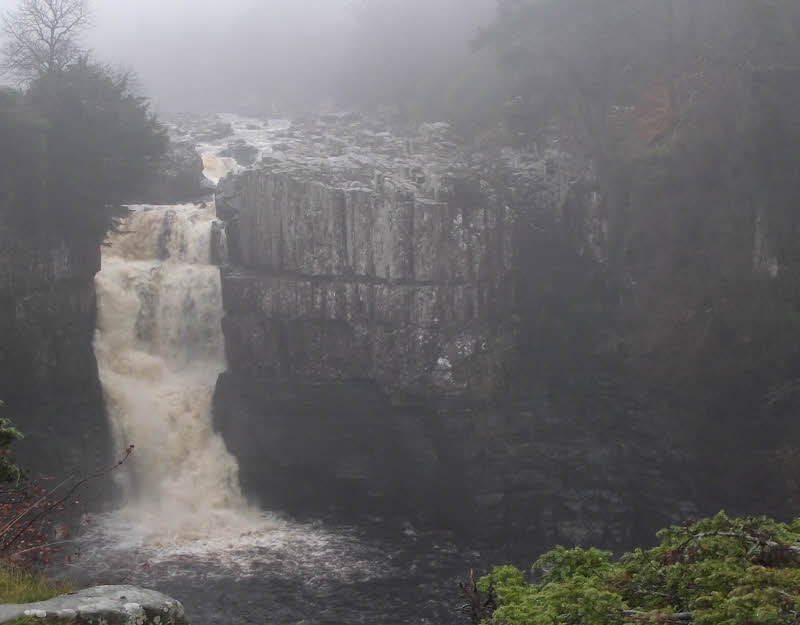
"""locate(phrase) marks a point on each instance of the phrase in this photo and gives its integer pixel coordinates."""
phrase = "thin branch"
(53, 505)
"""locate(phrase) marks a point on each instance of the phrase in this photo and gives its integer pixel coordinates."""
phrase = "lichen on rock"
(102, 605)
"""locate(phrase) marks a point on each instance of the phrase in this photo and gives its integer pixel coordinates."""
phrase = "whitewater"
(182, 525)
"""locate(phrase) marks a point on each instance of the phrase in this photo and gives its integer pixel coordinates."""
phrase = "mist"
(264, 56)
(388, 293)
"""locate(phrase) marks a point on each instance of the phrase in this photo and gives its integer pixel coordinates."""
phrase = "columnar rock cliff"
(337, 279)
(371, 332)
(49, 373)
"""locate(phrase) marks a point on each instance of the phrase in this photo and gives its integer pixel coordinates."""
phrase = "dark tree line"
(76, 141)
(42, 36)
(75, 145)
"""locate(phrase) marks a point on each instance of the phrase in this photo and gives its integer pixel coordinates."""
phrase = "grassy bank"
(18, 586)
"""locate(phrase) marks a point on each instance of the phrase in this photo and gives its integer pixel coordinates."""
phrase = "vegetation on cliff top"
(77, 141)
(76, 144)
(717, 571)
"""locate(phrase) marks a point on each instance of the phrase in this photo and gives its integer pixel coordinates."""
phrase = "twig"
(50, 507)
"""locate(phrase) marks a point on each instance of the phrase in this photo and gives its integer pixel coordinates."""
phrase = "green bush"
(717, 571)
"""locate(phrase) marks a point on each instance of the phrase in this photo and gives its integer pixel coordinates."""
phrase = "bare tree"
(41, 36)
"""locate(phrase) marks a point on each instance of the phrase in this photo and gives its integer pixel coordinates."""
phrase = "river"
(183, 526)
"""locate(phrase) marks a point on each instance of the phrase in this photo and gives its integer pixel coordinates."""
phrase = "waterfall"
(216, 167)
(160, 348)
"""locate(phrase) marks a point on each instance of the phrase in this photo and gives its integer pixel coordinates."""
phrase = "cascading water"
(159, 348)
(183, 526)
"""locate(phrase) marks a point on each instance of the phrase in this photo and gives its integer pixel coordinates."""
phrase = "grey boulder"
(103, 605)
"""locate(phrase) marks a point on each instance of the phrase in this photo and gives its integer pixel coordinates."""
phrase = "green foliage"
(9, 472)
(718, 571)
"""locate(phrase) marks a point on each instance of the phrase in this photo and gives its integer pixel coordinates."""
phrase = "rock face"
(180, 177)
(370, 327)
(102, 605)
(375, 283)
(48, 372)
(242, 152)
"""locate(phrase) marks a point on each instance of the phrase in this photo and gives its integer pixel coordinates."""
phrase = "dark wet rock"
(242, 152)
(198, 128)
(180, 177)
(48, 372)
(164, 235)
(405, 274)
(219, 243)
(371, 331)
(102, 605)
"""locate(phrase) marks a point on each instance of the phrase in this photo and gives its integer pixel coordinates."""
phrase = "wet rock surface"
(242, 152)
(371, 326)
(48, 372)
(102, 605)
(389, 264)
(180, 176)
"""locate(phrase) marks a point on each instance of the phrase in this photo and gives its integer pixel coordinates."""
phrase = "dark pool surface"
(286, 572)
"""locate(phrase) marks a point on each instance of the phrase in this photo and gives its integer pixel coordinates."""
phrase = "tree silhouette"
(42, 37)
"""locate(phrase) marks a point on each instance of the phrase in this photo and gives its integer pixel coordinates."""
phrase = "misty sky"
(189, 54)
(245, 55)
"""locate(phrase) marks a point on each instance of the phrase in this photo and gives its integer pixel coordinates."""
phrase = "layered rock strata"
(371, 327)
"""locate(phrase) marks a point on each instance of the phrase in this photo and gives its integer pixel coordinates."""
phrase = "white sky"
(217, 55)
(181, 48)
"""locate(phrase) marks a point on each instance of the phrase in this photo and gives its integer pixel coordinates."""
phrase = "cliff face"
(333, 283)
(371, 331)
(48, 372)
(355, 299)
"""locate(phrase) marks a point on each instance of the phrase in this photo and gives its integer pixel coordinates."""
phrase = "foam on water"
(160, 349)
(255, 132)
(216, 167)
(237, 547)
(184, 526)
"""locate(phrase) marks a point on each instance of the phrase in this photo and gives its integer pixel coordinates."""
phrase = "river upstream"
(184, 527)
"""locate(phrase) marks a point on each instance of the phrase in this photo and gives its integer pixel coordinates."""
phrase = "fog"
(263, 56)
(427, 286)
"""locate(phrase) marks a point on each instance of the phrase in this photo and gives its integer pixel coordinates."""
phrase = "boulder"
(107, 605)
(180, 177)
(242, 152)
